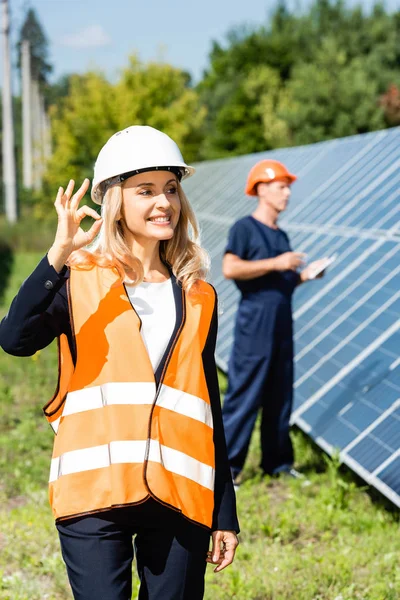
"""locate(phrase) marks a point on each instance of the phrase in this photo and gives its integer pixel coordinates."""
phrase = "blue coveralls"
(261, 364)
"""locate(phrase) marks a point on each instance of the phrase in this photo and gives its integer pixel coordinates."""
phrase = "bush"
(28, 234)
(6, 263)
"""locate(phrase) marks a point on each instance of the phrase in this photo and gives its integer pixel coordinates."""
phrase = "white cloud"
(93, 36)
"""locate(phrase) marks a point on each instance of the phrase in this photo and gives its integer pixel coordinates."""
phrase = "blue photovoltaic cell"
(345, 202)
(380, 444)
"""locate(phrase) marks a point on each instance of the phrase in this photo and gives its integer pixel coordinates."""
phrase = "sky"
(101, 34)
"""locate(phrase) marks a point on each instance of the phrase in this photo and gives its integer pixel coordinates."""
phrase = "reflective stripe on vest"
(119, 437)
(121, 452)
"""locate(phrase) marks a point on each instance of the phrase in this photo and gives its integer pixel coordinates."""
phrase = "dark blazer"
(39, 314)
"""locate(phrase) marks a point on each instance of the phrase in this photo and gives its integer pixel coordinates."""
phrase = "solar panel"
(347, 325)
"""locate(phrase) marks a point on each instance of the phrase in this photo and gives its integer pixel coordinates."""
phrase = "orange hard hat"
(266, 171)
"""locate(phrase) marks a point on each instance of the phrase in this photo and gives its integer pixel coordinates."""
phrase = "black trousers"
(256, 382)
(170, 554)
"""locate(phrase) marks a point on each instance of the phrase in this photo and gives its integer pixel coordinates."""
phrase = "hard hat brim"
(97, 194)
(253, 191)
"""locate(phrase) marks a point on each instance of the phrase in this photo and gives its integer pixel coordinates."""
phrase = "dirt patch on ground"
(15, 502)
(278, 492)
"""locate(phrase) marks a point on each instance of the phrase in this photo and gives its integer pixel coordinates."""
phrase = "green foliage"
(303, 78)
(327, 70)
(29, 233)
(323, 539)
(81, 123)
(59, 90)
(33, 32)
(6, 261)
(390, 102)
(159, 95)
(155, 94)
(243, 125)
(332, 97)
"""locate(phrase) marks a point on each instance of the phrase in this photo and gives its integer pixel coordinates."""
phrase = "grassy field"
(330, 540)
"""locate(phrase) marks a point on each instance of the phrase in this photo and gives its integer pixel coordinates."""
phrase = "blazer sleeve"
(225, 516)
(38, 314)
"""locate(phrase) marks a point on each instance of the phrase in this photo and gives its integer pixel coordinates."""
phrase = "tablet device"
(324, 264)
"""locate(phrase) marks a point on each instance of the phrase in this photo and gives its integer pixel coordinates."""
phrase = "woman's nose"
(162, 201)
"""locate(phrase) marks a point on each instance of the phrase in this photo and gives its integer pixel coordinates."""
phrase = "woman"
(139, 447)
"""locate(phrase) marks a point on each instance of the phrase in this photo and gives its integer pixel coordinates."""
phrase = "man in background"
(259, 259)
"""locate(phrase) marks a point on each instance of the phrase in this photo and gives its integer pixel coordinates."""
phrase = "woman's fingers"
(224, 544)
(59, 198)
(85, 211)
(62, 197)
(94, 230)
(69, 190)
(216, 546)
(77, 197)
(227, 559)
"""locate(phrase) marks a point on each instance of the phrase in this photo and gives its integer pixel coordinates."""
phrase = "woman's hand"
(70, 236)
(222, 553)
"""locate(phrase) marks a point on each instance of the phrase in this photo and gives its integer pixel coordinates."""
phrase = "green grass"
(330, 540)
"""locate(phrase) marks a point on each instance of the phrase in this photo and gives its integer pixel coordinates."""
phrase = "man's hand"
(222, 553)
(289, 261)
(310, 271)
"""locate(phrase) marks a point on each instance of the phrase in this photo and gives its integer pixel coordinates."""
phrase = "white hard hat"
(133, 150)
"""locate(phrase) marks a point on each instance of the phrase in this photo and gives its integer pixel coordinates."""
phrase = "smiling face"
(275, 194)
(150, 206)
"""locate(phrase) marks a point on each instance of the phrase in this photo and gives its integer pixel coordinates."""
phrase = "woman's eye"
(172, 190)
(145, 192)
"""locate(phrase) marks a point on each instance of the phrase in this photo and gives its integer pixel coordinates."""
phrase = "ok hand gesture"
(70, 236)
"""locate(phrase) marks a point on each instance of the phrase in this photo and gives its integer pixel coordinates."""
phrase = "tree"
(390, 102)
(247, 122)
(329, 66)
(160, 95)
(147, 94)
(60, 89)
(32, 31)
(81, 123)
(331, 98)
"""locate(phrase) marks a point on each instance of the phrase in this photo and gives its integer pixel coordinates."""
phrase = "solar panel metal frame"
(345, 201)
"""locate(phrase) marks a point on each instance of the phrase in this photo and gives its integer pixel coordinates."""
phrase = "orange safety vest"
(120, 437)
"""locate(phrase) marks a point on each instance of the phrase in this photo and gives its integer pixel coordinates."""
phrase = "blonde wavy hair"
(188, 260)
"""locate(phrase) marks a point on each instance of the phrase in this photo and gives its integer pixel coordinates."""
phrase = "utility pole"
(36, 138)
(9, 176)
(26, 114)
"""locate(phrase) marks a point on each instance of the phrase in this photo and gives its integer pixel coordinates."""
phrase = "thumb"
(216, 548)
(94, 230)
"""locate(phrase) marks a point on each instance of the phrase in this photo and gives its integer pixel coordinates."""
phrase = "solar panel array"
(347, 339)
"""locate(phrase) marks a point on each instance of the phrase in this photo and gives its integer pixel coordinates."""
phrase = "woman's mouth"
(160, 220)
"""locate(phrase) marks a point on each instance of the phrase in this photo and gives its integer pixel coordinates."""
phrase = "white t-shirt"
(155, 305)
